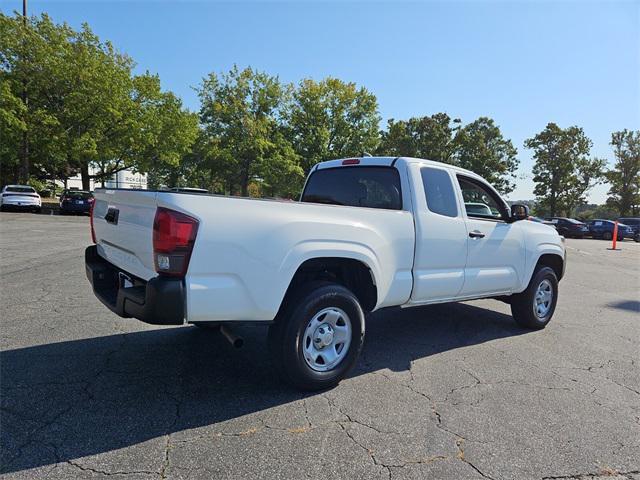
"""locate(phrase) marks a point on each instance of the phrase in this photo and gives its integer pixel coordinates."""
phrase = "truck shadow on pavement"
(630, 305)
(68, 400)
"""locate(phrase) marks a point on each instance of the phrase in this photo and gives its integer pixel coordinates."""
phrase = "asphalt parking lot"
(444, 392)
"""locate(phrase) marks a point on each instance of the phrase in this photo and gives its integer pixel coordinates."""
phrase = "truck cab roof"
(386, 162)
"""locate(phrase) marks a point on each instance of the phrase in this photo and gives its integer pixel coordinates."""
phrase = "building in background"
(122, 179)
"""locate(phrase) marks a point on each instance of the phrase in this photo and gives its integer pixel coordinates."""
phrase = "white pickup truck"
(367, 233)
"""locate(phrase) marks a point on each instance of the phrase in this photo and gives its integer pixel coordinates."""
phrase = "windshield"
(20, 189)
(630, 221)
(373, 187)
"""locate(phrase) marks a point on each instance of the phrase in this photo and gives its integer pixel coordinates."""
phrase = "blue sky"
(522, 63)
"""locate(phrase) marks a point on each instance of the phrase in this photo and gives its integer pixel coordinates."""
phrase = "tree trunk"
(244, 183)
(25, 166)
(86, 180)
(23, 172)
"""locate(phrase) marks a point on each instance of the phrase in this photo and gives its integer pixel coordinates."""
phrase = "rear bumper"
(159, 301)
(20, 205)
(74, 208)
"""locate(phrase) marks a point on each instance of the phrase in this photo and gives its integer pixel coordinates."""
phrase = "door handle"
(112, 215)
(476, 234)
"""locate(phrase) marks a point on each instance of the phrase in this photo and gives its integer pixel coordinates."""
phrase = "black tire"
(607, 236)
(37, 210)
(522, 304)
(636, 238)
(286, 335)
(3, 208)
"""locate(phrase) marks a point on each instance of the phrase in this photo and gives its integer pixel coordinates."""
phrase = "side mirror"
(519, 212)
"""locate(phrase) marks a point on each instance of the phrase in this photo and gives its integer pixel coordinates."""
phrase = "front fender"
(545, 248)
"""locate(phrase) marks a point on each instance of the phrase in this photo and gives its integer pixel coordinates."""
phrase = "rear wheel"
(317, 336)
(534, 307)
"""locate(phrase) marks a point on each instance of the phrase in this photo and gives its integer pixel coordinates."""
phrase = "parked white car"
(20, 197)
(367, 233)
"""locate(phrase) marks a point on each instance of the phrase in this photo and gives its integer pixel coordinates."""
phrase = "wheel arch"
(551, 255)
(553, 261)
(354, 274)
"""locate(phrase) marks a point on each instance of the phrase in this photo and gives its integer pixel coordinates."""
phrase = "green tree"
(478, 146)
(241, 113)
(481, 148)
(155, 137)
(588, 172)
(12, 127)
(85, 108)
(30, 62)
(331, 119)
(430, 137)
(563, 172)
(624, 193)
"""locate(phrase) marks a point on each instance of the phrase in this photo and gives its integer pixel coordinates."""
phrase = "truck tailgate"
(123, 224)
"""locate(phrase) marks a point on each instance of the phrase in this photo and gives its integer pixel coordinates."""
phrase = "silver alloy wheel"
(326, 339)
(543, 299)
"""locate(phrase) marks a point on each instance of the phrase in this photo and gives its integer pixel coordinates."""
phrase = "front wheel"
(534, 307)
(317, 337)
(607, 236)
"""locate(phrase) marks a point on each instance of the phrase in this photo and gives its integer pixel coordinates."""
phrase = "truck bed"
(247, 250)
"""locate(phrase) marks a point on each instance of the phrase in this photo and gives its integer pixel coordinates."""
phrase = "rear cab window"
(20, 190)
(79, 195)
(357, 186)
(439, 192)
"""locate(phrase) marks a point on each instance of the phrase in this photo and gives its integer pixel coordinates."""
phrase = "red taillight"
(174, 234)
(93, 231)
(351, 161)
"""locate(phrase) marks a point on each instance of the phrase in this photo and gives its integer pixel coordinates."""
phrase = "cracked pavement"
(445, 392)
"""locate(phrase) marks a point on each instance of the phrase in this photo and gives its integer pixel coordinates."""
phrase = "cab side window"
(480, 202)
(438, 189)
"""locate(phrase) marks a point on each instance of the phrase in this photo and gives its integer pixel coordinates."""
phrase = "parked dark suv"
(568, 227)
(604, 229)
(75, 201)
(634, 224)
